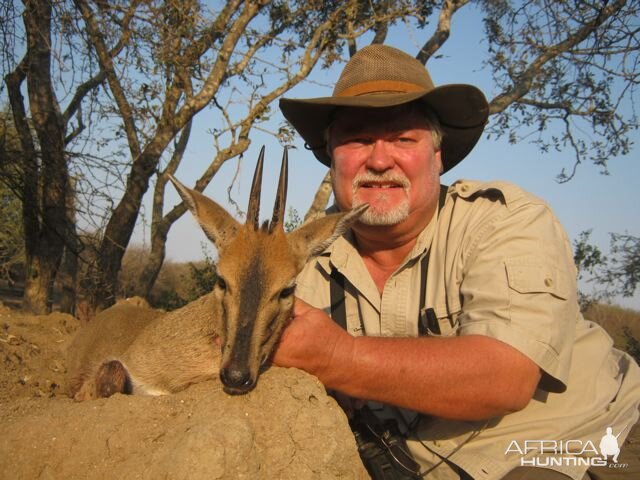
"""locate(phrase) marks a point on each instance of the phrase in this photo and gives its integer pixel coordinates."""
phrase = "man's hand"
(313, 342)
(469, 377)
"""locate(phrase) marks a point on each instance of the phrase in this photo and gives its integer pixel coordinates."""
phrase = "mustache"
(386, 177)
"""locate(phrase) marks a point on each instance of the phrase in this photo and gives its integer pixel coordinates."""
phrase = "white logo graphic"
(568, 453)
(609, 445)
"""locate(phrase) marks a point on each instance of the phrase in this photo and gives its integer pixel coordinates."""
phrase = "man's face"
(384, 157)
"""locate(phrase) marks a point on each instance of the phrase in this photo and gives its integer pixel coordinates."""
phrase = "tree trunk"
(120, 227)
(67, 278)
(45, 186)
(319, 204)
(154, 261)
(37, 286)
(68, 274)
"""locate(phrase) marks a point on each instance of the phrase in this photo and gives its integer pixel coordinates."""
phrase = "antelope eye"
(287, 292)
(222, 285)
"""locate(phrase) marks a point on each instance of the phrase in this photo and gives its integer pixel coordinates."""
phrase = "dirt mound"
(286, 428)
(32, 349)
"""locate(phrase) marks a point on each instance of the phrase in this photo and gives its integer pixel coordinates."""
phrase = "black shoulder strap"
(337, 290)
(337, 296)
(429, 321)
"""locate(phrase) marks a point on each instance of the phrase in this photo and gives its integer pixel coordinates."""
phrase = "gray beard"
(386, 218)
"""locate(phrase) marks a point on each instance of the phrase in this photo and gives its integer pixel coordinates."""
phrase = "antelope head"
(256, 272)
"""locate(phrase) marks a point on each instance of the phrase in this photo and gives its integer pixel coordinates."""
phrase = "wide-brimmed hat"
(382, 76)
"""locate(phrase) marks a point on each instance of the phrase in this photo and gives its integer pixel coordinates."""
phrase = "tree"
(11, 241)
(200, 58)
(142, 70)
(614, 275)
(559, 66)
(134, 75)
(11, 234)
(41, 127)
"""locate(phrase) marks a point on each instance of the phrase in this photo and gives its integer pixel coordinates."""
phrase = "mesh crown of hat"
(381, 62)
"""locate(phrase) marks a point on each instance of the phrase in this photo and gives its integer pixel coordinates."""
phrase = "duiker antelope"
(163, 353)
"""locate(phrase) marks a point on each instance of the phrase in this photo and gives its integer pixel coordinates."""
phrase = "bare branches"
(81, 92)
(433, 44)
(135, 74)
(615, 274)
(567, 74)
(559, 66)
(523, 80)
(107, 68)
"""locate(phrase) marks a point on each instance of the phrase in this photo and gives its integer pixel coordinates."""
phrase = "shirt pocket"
(535, 275)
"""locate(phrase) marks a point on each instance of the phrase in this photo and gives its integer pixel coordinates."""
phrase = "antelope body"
(230, 332)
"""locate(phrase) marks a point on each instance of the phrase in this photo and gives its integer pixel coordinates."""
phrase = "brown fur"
(111, 378)
(155, 353)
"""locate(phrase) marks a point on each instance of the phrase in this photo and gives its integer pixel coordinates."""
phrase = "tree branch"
(106, 65)
(523, 81)
(440, 36)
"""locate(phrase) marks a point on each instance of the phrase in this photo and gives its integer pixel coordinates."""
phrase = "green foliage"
(168, 300)
(293, 220)
(586, 256)
(616, 274)
(566, 69)
(624, 266)
(203, 276)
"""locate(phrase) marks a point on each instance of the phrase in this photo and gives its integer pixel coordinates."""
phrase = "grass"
(616, 320)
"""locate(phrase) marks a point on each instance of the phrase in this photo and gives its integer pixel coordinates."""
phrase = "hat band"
(380, 86)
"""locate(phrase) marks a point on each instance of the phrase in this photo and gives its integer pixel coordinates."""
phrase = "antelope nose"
(239, 380)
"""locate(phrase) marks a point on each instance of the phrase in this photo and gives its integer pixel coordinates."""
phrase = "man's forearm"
(466, 378)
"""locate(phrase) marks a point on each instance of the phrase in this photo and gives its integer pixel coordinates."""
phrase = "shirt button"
(548, 282)
(464, 188)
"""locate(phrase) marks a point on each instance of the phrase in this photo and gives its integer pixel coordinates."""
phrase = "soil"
(286, 428)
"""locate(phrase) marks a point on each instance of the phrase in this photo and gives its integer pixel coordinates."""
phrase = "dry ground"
(287, 428)
(144, 437)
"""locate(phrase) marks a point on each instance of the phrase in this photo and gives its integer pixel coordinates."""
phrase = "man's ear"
(218, 225)
(313, 238)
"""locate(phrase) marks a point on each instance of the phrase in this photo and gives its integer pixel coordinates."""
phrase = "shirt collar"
(343, 251)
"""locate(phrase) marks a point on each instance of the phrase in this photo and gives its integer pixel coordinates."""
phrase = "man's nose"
(380, 159)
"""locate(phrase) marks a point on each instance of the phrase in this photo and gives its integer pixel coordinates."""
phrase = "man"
(459, 306)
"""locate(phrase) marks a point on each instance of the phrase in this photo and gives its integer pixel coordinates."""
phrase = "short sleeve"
(518, 286)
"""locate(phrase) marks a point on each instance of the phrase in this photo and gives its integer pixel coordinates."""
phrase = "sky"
(590, 201)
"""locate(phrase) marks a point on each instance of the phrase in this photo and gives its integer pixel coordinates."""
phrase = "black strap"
(337, 295)
(427, 323)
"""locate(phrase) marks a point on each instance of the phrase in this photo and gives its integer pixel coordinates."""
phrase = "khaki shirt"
(500, 265)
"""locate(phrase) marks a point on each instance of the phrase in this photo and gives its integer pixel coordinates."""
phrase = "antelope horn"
(253, 211)
(281, 195)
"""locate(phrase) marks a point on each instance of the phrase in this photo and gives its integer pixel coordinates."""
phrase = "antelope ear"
(218, 225)
(313, 238)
